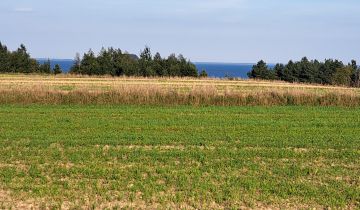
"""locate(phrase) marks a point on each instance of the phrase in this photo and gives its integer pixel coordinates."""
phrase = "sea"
(215, 70)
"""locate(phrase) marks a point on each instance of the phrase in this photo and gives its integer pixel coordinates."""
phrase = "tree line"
(117, 63)
(108, 62)
(19, 61)
(332, 72)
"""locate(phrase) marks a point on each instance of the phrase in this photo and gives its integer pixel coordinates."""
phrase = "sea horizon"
(213, 69)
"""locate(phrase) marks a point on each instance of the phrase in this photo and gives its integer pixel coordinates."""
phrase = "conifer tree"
(203, 74)
(45, 67)
(57, 69)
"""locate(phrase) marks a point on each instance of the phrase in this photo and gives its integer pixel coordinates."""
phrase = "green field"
(179, 157)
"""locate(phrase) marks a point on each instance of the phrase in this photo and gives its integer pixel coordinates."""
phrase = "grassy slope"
(207, 157)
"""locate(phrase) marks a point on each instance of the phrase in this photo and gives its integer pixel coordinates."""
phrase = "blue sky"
(202, 30)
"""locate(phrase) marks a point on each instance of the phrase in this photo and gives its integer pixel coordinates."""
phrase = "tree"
(306, 71)
(129, 66)
(158, 65)
(21, 62)
(89, 64)
(342, 76)
(279, 71)
(76, 68)
(4, 59)
(203, 74)
(45, 67)
(114, 62)
(191, 70)
(288, 72)
(356, 82)
(355, 75)
(173, 66)
(106, 64)
(261, 71)
(145, 63)
(327, 70)
(57, 69)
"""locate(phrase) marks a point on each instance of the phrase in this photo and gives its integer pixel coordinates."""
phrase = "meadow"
(96, 155)
(70, 89)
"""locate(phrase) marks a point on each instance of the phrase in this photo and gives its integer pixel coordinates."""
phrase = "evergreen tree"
(145, 63)
(57, 69)
(106, 64)
(45, 67)
(191, 70)
(21, 62)
(279, 71)
(76, 68)
(89, 64)
(203, 74)
(4, 59)
(158, 65)
(130, 66)
(173, 65)
(288, 72)
(342, 76)
(354, 73)
(261, 71)
(307, 71)
(117, 62)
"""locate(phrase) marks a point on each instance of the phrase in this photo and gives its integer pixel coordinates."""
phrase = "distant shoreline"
(214, 69)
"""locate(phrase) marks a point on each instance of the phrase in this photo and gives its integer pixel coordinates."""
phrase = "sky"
(239, 31)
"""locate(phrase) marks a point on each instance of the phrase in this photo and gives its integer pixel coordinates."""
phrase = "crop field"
(69, 89)
(185, 157)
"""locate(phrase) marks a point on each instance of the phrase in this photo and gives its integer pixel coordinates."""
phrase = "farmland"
(30, 89)
(212, 157)
(163, 155)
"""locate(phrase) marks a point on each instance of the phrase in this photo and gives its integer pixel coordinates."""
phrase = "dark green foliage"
(76, 68)
(355, 74)
(159, 65)
(306, 71)
(115, 63)
(89, 64)
(187, 68)
(128, 65)
(261, 71)
(279, 70)
(45, 67)
(203, 73)
(355, 78)
(18, 61)
(104, 62)
(57, 69)
(342, 76)
(145, 62)
(109, 62)
(4, 59)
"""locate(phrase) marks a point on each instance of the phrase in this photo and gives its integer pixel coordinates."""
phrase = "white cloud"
(23, 9)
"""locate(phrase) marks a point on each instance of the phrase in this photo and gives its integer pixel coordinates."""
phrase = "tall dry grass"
(20, 89)
(156, 95)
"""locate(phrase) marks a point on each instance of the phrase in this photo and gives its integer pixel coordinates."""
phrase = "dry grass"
(69, 89)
